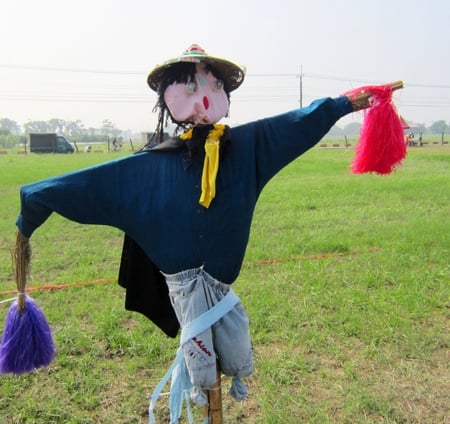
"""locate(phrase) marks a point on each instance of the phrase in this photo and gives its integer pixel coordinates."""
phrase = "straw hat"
(232, 74)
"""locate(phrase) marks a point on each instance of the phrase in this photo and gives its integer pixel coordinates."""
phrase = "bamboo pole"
(396, 85)
(360, 97)
(214, 409)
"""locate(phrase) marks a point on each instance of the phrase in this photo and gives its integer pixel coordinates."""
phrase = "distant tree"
(9, 125)
(109, 128)
(9, 140)
(335, 130)
(56, 125)
(353, 128)
(421, 128)
(439, 127)
(36, 126)
(91, 131)
(74, 128)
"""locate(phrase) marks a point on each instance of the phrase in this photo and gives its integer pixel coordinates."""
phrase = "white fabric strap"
(208, 318)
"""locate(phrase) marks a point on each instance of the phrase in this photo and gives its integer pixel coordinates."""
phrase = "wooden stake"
(214, 412)
(361, 99)
(396, 85)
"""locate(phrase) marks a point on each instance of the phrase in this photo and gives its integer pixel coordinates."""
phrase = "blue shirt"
(153, 196)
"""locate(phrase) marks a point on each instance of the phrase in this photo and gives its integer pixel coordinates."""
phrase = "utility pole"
(300, 100)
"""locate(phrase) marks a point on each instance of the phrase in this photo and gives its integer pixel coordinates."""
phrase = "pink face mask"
(202, 101)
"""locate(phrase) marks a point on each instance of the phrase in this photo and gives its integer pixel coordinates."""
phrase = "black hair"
(182, 73)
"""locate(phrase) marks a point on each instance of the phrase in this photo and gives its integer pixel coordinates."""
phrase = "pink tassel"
(381, 146)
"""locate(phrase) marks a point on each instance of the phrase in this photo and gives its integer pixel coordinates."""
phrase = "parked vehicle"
(49, 143)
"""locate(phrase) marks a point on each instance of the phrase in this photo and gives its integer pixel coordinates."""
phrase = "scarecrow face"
(201, 101)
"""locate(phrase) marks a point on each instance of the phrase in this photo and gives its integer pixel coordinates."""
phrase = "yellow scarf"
(210, 164)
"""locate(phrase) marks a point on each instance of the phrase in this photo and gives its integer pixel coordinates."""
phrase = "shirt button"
(200, 236)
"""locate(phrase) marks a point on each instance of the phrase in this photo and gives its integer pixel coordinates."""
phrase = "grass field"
(346, 282)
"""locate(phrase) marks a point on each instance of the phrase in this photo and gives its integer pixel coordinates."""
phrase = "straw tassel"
(27, 341)
(381, 146)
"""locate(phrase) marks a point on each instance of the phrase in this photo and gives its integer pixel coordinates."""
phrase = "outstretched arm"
(280, 139)
(88, 196)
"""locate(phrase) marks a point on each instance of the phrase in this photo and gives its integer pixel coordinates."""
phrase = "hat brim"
(232, 74)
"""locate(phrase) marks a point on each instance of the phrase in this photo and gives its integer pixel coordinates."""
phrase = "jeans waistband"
(187, 274)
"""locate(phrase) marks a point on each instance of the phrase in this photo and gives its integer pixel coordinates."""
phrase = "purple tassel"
(27, 341)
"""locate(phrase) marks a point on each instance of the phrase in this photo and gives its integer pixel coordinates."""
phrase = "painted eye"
(191, 87)
(218, 85)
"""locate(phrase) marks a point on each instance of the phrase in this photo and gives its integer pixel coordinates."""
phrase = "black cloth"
(146, 288)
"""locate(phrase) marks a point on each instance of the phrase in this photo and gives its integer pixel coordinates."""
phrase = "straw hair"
(22, 259)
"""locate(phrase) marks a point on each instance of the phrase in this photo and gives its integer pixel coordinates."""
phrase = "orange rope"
(61, 286)
(297, 258)
(305, 258)
(246, 265)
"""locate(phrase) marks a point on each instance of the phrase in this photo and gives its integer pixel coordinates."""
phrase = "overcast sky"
(89, 59)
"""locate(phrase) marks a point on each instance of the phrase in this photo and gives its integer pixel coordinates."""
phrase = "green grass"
(346, 282)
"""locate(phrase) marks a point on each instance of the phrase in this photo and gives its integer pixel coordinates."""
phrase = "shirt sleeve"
(280, 139)
(87, 196)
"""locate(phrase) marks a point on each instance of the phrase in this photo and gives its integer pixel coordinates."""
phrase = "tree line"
(13, 134)
(354, 128)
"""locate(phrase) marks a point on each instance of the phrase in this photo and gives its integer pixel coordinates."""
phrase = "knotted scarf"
(211, 162)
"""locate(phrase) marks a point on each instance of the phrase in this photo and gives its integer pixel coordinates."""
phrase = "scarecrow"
(185, 205)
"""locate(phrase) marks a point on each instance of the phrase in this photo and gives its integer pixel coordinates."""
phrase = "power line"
(80, 70)
(365, 81)
(291, 88)
(256, 75)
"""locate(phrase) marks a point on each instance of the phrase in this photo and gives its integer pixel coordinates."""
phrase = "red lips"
(205, 102)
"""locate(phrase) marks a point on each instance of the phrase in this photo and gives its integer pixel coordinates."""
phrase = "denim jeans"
(193, 292)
